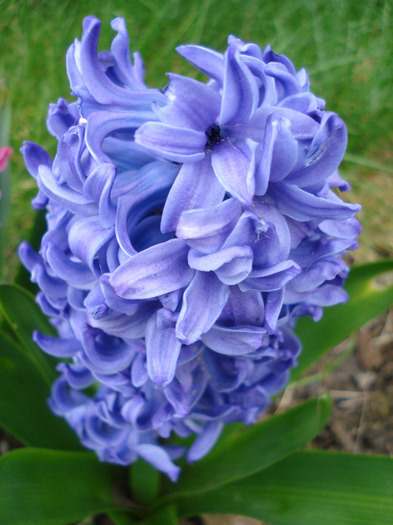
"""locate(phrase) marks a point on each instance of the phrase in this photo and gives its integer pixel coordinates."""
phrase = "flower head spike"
(187, 230)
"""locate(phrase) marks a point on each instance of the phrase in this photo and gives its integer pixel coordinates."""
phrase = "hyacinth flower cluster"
(187, 229)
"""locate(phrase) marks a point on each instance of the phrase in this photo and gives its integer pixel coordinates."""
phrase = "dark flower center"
(213, 135)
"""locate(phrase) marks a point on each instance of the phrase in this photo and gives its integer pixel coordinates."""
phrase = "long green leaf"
(254, 448)
(308, 488)
(24, 316)
(123, 517)
(368, 299)
(144, 481)
(23, 402)
(5, 178)
(47, 487)
(163, 516)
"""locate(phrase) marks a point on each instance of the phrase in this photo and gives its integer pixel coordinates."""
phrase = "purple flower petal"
(172, 143)
(322, 270)
(177, 398)
(101, 124)
(75, 273)
(34, 156)
(234, 166)
(206, 229)
(57, 347)
(327, 295)
(347, 229)
(240, 92)
(303, 206)
(162, 352)
(302, 126)
(130, 74)
(205, 441)
(241, 256)
(105, 354)
(160, 459)
(156, 271)
(61, 116)
(63, 195)
(243, 308)
(191, 104)
(273, 305)
(99, 186)
(235, 341)
(271, 278)
(324, 154)
(206, 60)
(98, 84)
(195, 319)
(87, 237)
(188, 192)
(278, 155)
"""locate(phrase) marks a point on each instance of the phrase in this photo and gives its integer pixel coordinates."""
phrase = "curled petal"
(162, 352)
(205, 441)
(86, 237)
(207, 229)
(195, 318)
(172, 143)
(234, 166)
(240, 92)
(156, 271)
(63, 195)
(271, 278)
(34, 156)
(188, 192)
(235, 341)
(191, 104)
(74, 273)
(324, 154)
(326, 295)
(303, 206)
(206, 60)
(105, 354)
(57, 347)
(239, 256)
(160, 459)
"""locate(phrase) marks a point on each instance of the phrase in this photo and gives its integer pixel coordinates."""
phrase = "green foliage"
(47, 487)
(23, 402)
(307, 488)
(23, 316)
(252, 449)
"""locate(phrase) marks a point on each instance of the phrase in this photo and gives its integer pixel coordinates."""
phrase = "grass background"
(346, 45)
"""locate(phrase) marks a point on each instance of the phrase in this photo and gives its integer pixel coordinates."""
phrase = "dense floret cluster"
(188, 228)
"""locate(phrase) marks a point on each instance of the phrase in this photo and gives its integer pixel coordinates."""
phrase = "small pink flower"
(5, 152)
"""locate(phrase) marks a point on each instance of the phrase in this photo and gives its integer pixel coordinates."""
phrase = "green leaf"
(368, 299)
(144, 481)
(253, 448)
(23, 402)
(123, 517)
(24, 316)
(5, 180)
(163, 516)
(47, 487)
(308, 488)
